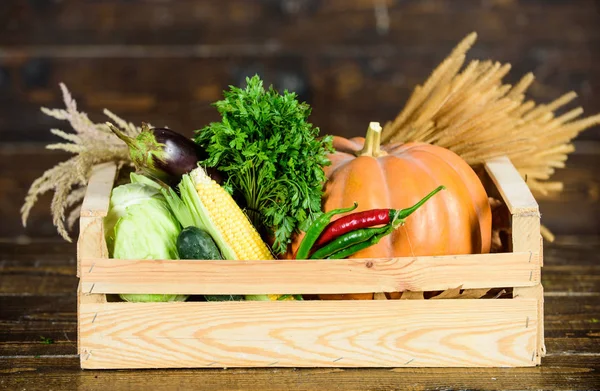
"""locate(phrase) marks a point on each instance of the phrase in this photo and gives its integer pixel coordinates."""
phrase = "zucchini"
(195, 243)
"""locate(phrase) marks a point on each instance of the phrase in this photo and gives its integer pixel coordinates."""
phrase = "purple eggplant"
(164, 154)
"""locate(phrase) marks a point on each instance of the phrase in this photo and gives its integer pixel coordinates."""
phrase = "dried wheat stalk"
(92, 144)
(473, 114)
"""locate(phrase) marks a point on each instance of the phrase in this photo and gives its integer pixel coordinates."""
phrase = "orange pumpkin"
(454, 221)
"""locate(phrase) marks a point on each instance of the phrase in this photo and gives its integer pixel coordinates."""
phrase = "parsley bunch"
(272, 156)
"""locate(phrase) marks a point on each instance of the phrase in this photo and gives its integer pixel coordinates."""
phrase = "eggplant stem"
(126, 139)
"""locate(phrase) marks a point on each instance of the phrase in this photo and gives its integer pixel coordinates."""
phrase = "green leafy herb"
(272, 156)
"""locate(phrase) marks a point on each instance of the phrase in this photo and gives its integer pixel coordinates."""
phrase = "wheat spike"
(92, 144)
(477, 116)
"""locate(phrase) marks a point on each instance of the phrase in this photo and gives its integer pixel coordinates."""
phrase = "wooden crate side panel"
(310, 276)
(97, 196)
(91, 242)
(535, 293)
(526, 231)
(512, 187)
(525, 215)
(424, 333)
(85, 299)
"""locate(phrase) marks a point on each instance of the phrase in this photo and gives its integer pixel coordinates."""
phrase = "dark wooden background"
(165, 61)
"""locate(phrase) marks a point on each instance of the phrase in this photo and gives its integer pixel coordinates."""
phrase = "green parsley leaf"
(272, 156)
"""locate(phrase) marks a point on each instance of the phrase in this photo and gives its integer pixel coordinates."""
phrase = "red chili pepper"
(358, 220)
(368, 218)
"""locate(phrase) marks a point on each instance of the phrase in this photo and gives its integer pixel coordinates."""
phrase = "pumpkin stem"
(372, 145)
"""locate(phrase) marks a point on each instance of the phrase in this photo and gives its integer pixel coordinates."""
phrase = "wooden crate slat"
(512, 187)
(100, 275)
(97, 196)
(422, 333)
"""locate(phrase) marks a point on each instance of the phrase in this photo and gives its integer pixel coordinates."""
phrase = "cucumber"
(195, 243)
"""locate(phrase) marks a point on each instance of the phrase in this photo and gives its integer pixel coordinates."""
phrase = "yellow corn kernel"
(278, 297)
(232, 223)
(233, 231)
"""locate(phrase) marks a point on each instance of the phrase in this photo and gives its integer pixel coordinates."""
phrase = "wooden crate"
(377, 333)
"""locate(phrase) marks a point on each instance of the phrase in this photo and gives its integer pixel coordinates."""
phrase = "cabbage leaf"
(141, 225)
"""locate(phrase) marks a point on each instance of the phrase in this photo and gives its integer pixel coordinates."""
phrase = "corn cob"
(231, 225)
(228, 224)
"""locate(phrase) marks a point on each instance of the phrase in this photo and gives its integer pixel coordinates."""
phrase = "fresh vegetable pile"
(249, 187)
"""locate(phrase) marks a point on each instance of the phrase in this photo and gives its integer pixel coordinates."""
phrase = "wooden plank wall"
(354, 61)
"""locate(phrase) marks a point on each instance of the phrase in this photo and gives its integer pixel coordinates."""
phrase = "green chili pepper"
(313, 233)
(401, 214)
(348, 240)
(346, 252)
